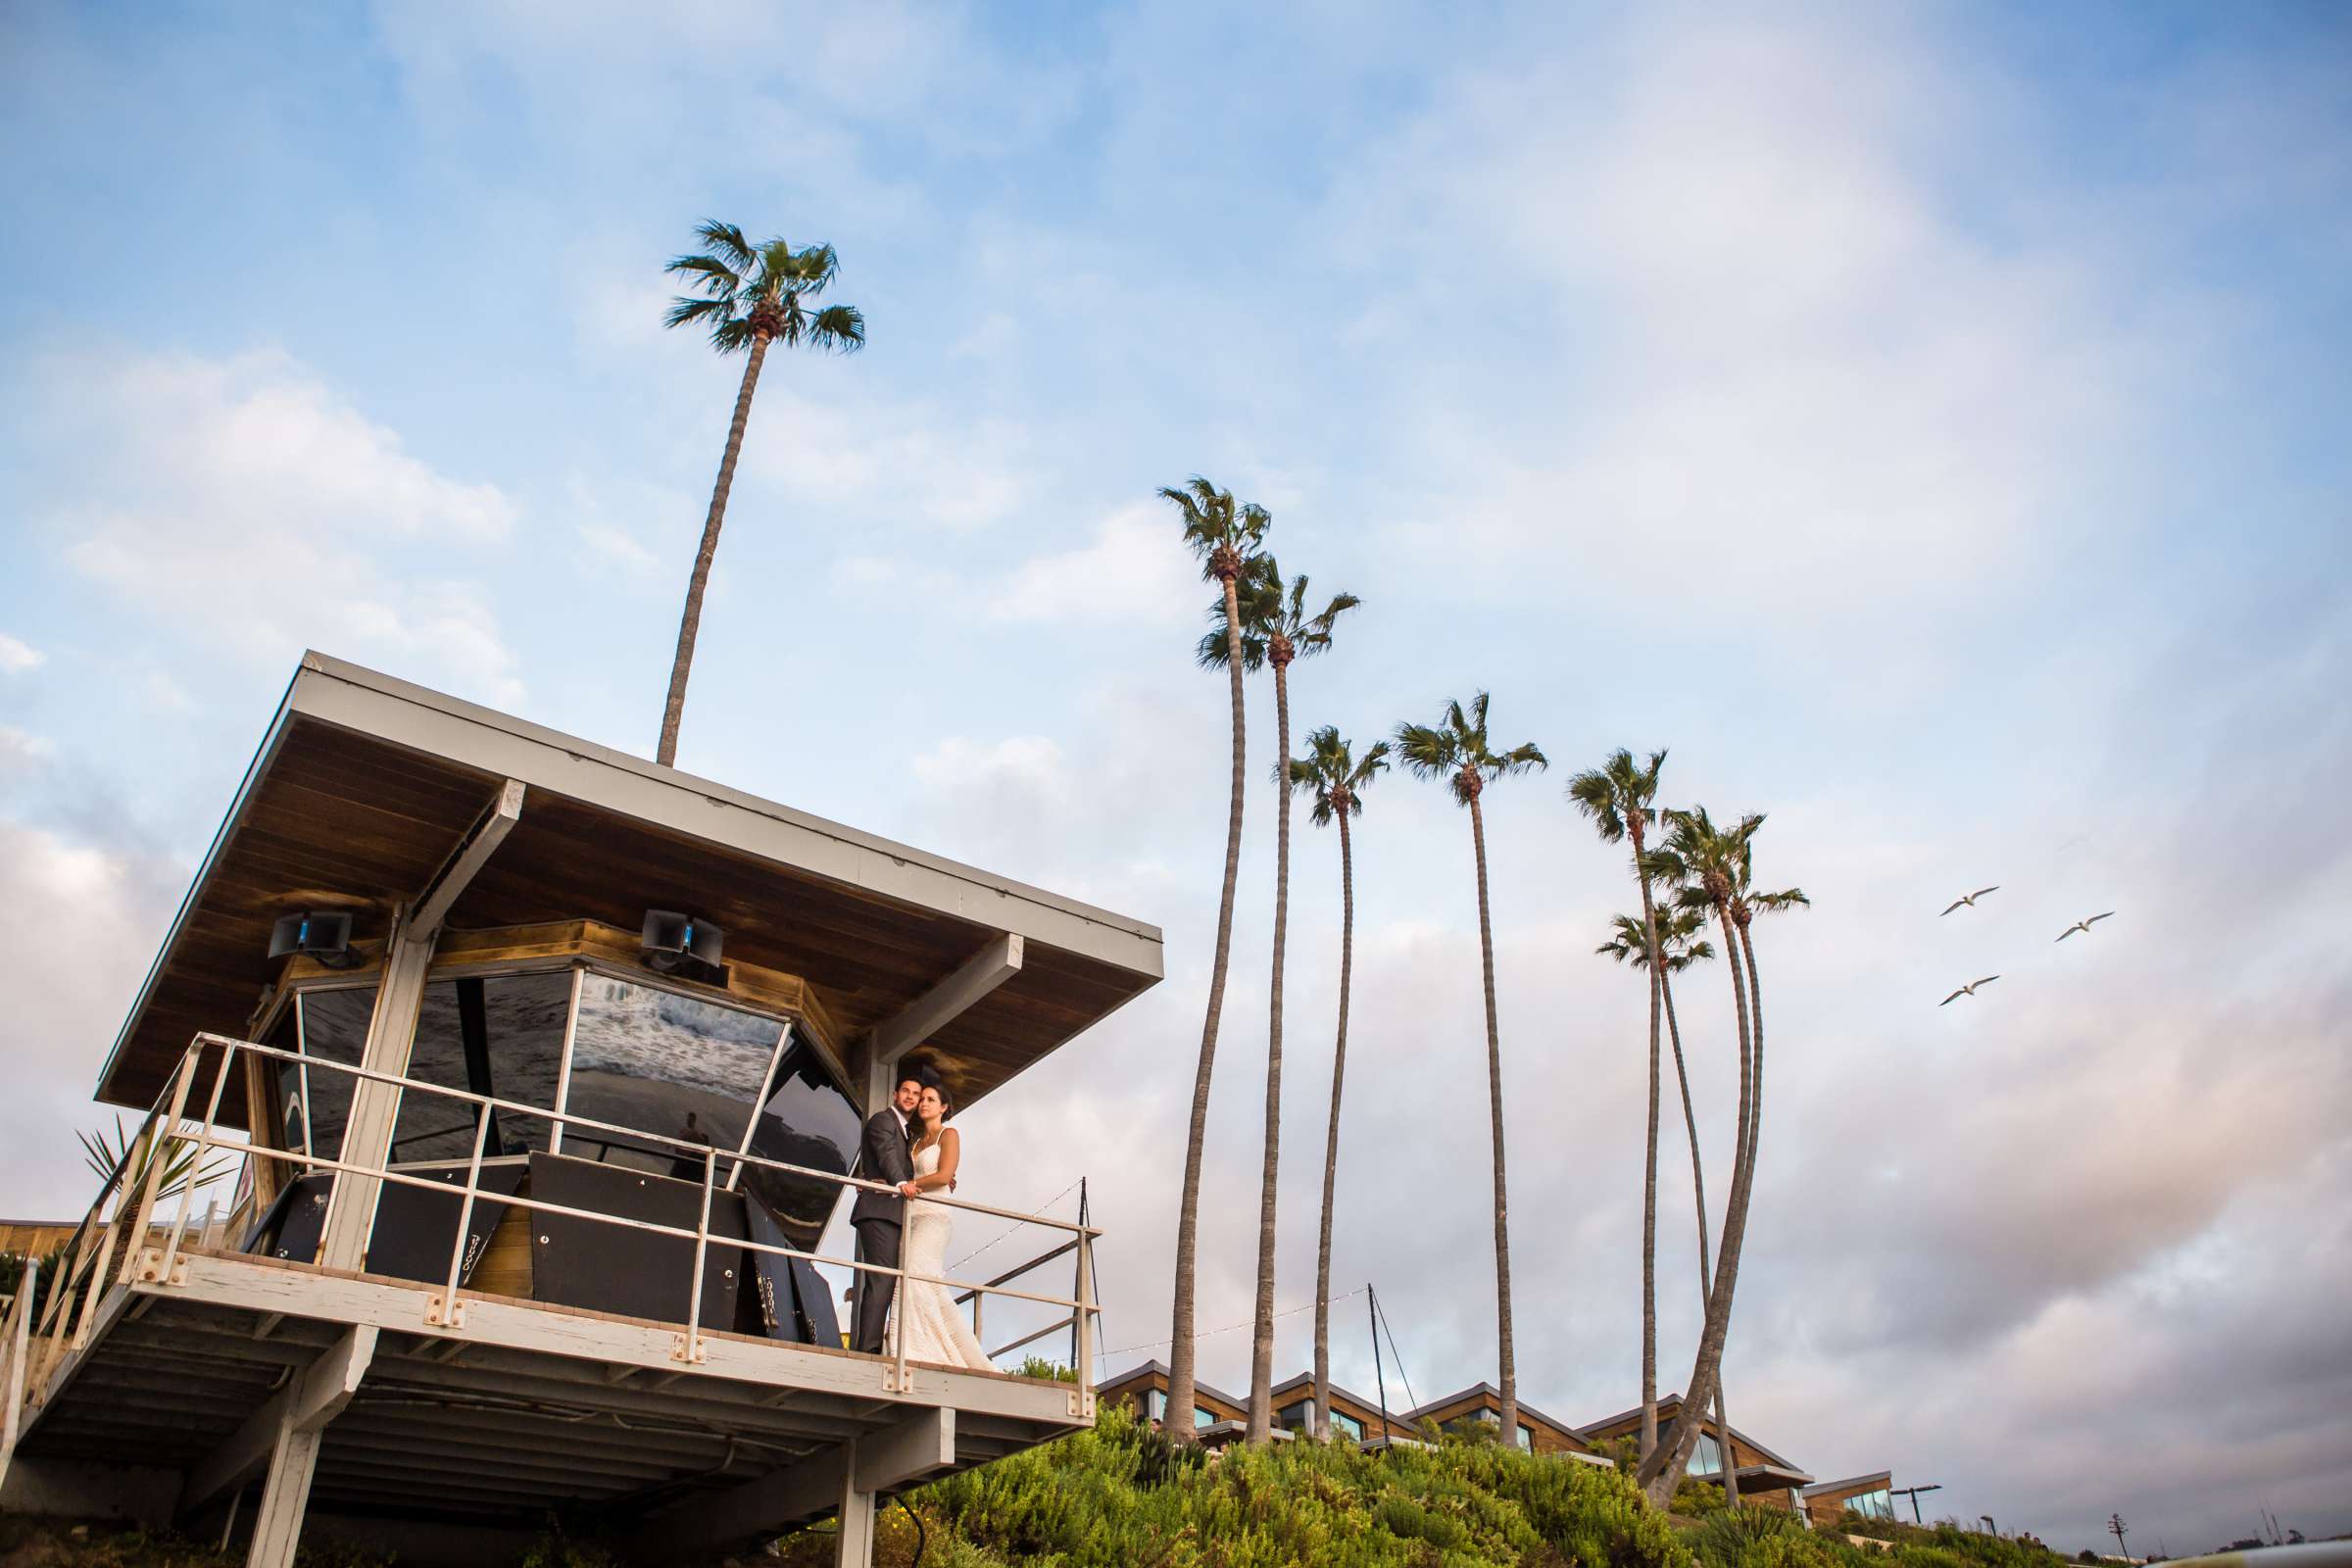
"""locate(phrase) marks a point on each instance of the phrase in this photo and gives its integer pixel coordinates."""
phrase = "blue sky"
(1926, 422)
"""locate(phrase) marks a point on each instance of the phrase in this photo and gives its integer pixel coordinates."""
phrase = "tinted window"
(500, 1035)
(333, 1028)
(1706, 1459)
(1348, 1426)
(664, 1063)
(807, 1121)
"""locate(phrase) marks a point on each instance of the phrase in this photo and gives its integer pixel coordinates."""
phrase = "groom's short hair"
(922, 1074)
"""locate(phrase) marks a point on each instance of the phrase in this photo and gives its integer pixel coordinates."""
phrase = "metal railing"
(91, 1257)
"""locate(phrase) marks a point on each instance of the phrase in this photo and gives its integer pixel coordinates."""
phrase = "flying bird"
(1970, 901)
(1968, 990)
(2083, 925)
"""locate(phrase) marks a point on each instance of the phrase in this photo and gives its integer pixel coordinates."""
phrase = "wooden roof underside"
(336, 817)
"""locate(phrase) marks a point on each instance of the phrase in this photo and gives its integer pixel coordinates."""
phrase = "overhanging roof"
(1667, 1406)
(363, 784)
(1876, 1479)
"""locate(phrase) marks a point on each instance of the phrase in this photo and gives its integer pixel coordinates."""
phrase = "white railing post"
(689, 1349)
(17, 1348)
(1086, 1323)
(898, 1302)
(452, 1314)
(204, 1145)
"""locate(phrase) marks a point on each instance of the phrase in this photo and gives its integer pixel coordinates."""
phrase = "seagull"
(2083, 925)
(1970, 901)
(1968, 990)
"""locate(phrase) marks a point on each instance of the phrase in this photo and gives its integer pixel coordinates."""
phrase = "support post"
(375, 1105)
(854, 1541)
(286, 1434)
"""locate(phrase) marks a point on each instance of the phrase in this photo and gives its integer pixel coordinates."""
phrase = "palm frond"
(728, 241)
(685, 311)
(714, 277)
(840, 328)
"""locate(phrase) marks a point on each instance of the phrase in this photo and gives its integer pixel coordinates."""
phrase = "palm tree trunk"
(1331, 1142)
(1698, 1194)
(1509, 1371)
(1663, 1470)
(1262, 1340)
(690, 624)
(1649, 1168)
(1179, 1419)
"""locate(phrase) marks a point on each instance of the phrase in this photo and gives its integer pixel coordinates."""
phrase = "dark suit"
(882, 1157)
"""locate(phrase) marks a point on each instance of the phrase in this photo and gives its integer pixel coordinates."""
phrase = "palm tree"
(1226, 538)
(750, 296)
(1710, 869)
(1617, 796)
(1680, 942)
(1455, 748)
(1277, 625)
(1338, 779)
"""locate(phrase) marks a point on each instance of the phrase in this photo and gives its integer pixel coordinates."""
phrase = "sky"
(1924, 421)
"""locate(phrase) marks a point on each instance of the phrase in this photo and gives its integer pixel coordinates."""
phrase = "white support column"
(392, 1031)
(895, 1036)
(295, 1424)
(368, 1129)
(853, 1543)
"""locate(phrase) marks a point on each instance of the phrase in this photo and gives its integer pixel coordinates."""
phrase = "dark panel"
(301, 1211)
(610, 1268)
(415, 1228)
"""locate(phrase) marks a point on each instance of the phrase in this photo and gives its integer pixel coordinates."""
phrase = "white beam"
(923, 1443)
(300, 1410)
(994, 965)
(473, 851)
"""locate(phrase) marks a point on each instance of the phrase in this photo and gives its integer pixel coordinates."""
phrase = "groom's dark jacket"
(882, 1157)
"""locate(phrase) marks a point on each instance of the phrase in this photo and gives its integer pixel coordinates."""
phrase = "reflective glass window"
(1296, 1417)
(1156, 1404)
(1873, 1504)
(333, 1027)
(498, 1035)
(805, 1121)
(664, 1063)
(1706, 1459)
(1347, 1426)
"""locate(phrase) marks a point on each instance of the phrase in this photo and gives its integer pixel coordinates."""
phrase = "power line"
(1399, 1360)
(1037, 1214)
(1205, 1334)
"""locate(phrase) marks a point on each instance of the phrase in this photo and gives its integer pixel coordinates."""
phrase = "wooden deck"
(521, 1408)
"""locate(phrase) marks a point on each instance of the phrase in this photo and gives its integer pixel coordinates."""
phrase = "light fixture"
(680, 944)
(320, 934)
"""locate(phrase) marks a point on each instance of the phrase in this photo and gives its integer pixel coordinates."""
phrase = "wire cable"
(1294, 1311)
(1033, 1215)
(1402, 1375)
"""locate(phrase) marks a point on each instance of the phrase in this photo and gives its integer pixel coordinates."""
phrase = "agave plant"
(137, 1156)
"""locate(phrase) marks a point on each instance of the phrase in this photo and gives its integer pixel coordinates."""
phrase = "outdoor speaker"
(319, 935)
(674, 941)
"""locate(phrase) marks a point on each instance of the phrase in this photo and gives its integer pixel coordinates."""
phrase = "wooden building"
(1353, 1417)
(1870, 1495)
(536, 1168)
(1765, 1477)
(1483, 1401)
(1145, 1387)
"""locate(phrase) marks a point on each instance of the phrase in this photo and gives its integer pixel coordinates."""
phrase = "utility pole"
(2116, 1527)
(1378, 1376)
(1913, 1494)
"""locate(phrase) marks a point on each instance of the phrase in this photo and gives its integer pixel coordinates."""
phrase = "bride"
(925, 1312)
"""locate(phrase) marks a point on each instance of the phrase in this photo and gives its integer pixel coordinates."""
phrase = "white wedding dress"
(924, 1312)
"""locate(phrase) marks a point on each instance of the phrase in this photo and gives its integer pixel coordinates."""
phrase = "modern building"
(1352, 1416)
(1482, 1402)
(1765, 1477)
(1145, 1387)
(544, 1067)
(1871, 1497)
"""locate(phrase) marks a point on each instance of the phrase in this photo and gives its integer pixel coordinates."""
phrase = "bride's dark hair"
(947, 1099)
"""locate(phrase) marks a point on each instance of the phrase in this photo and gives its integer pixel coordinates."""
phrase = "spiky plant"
(104, 1151)
(1277, 624)
(1337, 779)
(1456, 749)
(1226, 537)
(746, 297)
(1617, 798)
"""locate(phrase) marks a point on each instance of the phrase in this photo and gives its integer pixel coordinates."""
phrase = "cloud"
(19, 749)
(247, 504)
(1130, 572)
(17, 658)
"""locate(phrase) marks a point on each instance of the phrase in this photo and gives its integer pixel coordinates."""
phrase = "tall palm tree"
(1616, 795)
(1275, 620)
(750, 296)
(1337, 779)
(1680, 943)
(1455, 748)
(1710, 867)
(1226, 538)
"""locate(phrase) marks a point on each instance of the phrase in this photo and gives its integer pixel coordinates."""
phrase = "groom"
(884, 1155)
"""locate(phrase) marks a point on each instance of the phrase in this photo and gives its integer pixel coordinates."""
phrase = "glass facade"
(1300, 1417)
(807, 1121)
(1527, 1437)
(500, 1035)
(1156, 1408)
(1871, 1504)
(668, 1063)
(1706, 1457)
(331, 1025)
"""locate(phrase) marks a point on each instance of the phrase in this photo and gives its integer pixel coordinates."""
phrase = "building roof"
(1877, 1477)
(363, 785)
(1476, 1390)
(1144, 1369)
(1668, 1403)
(1306, 1380)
